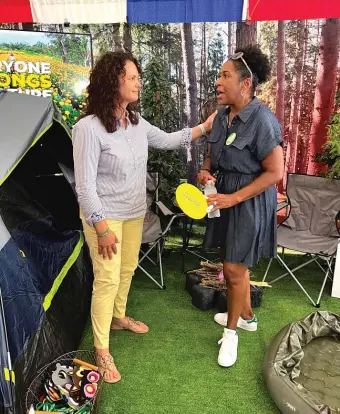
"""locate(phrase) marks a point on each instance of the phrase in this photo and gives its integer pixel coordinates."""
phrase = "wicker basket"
(37, 387)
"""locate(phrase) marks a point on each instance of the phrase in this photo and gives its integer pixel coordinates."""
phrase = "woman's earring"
(242, 92)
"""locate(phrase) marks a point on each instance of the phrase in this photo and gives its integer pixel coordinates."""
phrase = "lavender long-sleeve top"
(110, 168)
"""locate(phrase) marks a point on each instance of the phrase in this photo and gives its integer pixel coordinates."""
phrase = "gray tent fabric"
(311, 227)
(5, 364)
(6, 387)
(42, 259)
(292, 372)
(23, 119)
(4, 234)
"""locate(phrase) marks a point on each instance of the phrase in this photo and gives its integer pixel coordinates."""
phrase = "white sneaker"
(247, 325)
(228, 351)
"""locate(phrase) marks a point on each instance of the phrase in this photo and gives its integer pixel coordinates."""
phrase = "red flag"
(14, 11)
(260, 10)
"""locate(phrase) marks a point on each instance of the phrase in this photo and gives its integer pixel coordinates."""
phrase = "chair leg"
(291, 270)
(145, 254)
(147, 257)
(150, 277)
(191, 224)
(329, 267)
(327, 276)
(159, 252)
(158, 246)
(321, 291)
(184, 241)
(296, 280)
(267, 270)
(331, 274)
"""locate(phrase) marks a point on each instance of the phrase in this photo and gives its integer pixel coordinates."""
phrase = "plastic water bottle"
(208, 190)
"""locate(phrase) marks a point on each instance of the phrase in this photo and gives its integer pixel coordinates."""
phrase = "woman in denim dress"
(245, 150)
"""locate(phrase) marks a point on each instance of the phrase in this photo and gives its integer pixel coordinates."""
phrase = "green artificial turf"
(173, 369)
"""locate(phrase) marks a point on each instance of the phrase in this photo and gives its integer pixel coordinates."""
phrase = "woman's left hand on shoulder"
(222, 201)
(209, 122)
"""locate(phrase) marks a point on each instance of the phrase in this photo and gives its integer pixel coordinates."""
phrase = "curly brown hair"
(103, 89)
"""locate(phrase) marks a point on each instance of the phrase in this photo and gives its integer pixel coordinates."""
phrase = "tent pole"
(9, 361)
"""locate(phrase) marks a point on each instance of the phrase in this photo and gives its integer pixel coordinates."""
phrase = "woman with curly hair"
(244, 147)
(110, 151)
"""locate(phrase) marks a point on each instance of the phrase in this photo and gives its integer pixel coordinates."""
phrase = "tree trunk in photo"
(296, 97)
(61, 41)
(230, 38)
(181, 96)
(203, 64)
(324, 92)
(28, 27)
(168, 63)
(116, 37)
(191, 92)
(280, 91)
(304, 102)
(127, 38)
(246, 34)
(307, 102)
(178, 92)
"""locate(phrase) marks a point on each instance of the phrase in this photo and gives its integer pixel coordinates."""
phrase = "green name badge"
(230, 139)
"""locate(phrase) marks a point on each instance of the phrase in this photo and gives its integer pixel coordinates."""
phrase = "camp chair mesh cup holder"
(311, 227)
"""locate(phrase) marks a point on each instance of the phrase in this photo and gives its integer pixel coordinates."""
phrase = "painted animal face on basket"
(62, 375)
(73, 385)
(52, 391)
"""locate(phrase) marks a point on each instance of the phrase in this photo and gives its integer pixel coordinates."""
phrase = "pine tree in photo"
(160, 109)
(216, 58)
(330, 155)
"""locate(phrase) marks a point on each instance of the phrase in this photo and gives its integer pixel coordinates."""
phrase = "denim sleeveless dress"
(245, 232)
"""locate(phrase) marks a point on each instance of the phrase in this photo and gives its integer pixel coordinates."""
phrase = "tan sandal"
(106, 365)
(129, 324)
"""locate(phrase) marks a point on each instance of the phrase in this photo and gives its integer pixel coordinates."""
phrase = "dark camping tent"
(45, 270)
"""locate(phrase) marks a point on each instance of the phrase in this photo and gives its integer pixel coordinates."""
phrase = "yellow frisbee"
(191, 201)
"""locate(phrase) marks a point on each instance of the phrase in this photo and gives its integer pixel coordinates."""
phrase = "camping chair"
(311, 226)
(153, 234)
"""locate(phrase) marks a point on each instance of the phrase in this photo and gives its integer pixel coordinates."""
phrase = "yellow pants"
(112, 278)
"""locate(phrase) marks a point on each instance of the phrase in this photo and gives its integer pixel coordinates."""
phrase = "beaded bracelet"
(104, 234)
(203, 130)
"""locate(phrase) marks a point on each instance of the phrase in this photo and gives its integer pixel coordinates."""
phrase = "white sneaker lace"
(225, 337)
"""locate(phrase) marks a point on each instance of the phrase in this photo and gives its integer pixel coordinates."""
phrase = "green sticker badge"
(230, 139)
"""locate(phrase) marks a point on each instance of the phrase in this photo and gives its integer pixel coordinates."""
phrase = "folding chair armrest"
(163, 208)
